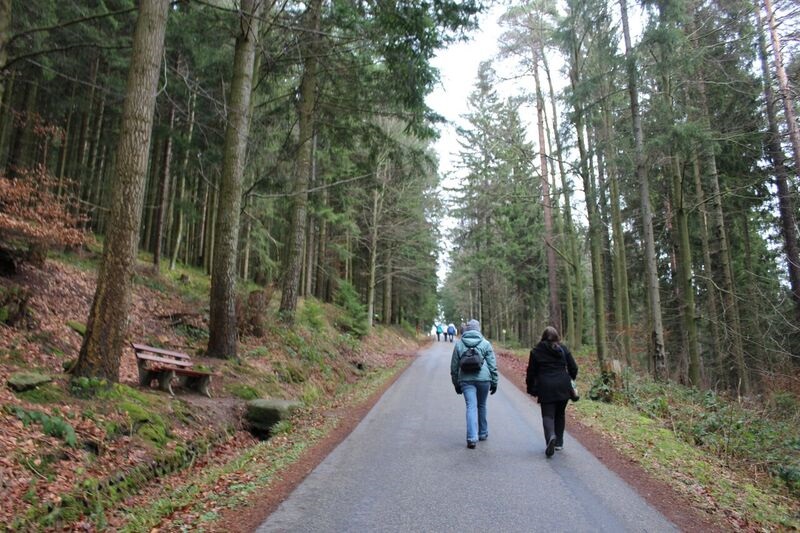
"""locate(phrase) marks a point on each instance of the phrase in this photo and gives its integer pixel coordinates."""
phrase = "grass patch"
(245, 392)
(78, 327)
(690, 469)
(47, 393)
(257, 467)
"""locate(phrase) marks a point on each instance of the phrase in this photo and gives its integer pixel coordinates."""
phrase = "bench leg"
(165, 381)
(202, 386)
(145, 376)
(199, 383)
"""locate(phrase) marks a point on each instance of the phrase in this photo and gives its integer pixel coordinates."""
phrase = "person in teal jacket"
(475, 386)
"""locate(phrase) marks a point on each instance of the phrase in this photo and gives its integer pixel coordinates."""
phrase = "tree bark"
(654, 298)
(711, 288)
(5, 23)
(164, 185)
(783, 85)
(107, 323)
(83, 140)
(308, 88)
(387, 291)
(684, 260)
(594, 222)
(377, 207)
(181, 192)
(622, 310)
(785, 194)
(322, 267)
(222, 320)
(573, 268)
(554, 306)
(21, 147)
(95, 178)
(720, 255)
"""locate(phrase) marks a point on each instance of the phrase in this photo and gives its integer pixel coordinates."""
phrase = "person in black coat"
(551, 368)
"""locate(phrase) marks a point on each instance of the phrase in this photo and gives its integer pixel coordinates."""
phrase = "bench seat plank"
(164, 360)
(150, 349)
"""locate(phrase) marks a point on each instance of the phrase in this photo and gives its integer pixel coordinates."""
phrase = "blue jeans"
(475, 393)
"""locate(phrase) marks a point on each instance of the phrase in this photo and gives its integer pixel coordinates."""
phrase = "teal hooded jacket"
(488, 371)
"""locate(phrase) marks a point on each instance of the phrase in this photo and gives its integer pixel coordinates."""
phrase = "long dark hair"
(551, 336)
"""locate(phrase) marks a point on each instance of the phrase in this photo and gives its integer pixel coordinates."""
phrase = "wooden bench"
(165, 366)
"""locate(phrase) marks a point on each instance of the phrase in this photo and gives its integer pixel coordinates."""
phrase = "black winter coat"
(550, 368)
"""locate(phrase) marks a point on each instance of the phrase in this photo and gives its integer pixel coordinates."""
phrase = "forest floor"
(52, 482)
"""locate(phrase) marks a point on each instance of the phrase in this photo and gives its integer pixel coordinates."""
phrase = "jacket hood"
(471, 338)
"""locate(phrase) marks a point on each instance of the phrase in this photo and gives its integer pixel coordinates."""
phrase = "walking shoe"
(559, 448)
(483, 437)
(471, 444)
(551, 444)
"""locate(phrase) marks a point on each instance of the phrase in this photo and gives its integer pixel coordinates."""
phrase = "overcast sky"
(458, 67)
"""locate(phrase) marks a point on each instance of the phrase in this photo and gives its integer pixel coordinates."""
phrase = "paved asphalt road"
(406, 467)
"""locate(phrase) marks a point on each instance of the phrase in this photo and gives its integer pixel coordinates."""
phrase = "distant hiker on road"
(451, 332)
(473, 371)
(439, 331)
(551, 368)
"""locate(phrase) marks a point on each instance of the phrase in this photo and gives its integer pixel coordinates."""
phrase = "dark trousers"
(554, 420)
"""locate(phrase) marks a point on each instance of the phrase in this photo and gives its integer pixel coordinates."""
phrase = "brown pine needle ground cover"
(61, 443)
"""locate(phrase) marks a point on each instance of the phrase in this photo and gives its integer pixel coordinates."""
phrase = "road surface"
(406, 467)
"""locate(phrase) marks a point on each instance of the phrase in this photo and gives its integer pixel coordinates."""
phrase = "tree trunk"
(573, 268)
(653, 296)
(554, 306)
(96, 179)
(108, 319)
(622, 310)
(594, 225)
(594, 147)
(162, 200)
(783, 85)
(81, 173)
(720, 255)
(64, 149)
(308, 87)
(684, 259)
(7, 124)
(21, 147)
(181, 193)
(322, 266)
(711, 288)
(222, 316)
(5, 23)
(387, 291)
(377, 203)
(782, 181)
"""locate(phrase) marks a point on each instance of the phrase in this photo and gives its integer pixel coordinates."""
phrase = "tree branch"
(70, 23)
(24, 57)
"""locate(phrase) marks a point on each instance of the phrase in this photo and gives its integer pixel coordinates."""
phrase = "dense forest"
(281, 144)
(650, 210)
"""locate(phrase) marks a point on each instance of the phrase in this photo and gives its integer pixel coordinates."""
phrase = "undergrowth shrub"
(86, 387)
(354, 318)
(245, 392)
(312, 315)
(52, 425)
(602, 389)
(760, 436)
